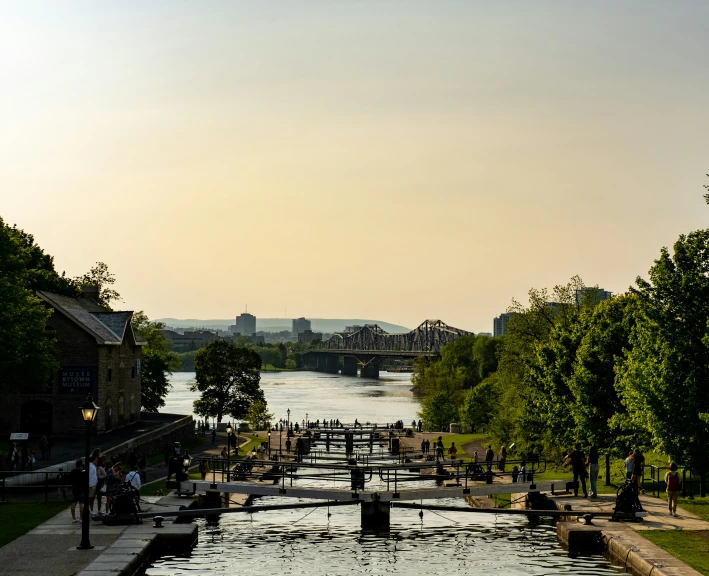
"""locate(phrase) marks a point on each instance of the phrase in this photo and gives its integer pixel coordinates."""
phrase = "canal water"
(322, 541)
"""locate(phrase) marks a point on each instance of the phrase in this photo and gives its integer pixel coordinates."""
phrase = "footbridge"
(367, 347)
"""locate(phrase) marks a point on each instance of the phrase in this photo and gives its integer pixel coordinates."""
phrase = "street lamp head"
(269, 433)
(228, 429)
(186, 461)
(89, 409)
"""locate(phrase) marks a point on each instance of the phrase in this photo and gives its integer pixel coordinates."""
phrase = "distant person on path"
(428, 446)
(593, 469)
(77, 479)
(224, 454)
(578, 466)
(439, 448)
(515, 473)
(452, 451)
(288, 445)
(420, 426)
(299, 449)
(43, 447)
(629, 465)
(475, 456)
(502, 458)
(673, 482)
(489, 457)
(204, 468)
(638, 466)
(134, 477)
(522, 474)
(214, 436)
(423, 447)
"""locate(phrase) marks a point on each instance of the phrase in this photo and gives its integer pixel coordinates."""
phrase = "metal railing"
(691, 482)
(40, 486)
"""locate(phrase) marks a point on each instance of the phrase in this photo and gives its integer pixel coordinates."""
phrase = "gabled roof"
(106, 327)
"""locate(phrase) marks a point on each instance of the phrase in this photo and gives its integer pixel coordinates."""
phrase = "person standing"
(101, 474)
(638, 466)
(629, 466)
(502, 458)
(288, 444)
(428, 446)
(578, 466)
(78, 480)
(673, 482)
(93, 477)
(593, 469)
(452, 451)
(439, 448)
(423, 447)
(489, 457)
(134, 477)
(214, 436)
(113, 482)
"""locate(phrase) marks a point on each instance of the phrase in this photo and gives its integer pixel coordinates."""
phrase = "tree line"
(631, 371)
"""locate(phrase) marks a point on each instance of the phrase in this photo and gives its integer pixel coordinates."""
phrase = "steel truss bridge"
(368, 345)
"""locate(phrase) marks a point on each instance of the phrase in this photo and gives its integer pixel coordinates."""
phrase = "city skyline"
(353, 160)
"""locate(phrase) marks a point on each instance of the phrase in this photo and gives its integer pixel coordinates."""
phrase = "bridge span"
(364, 349)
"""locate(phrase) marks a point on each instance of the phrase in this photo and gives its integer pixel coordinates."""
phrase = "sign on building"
(77, 380)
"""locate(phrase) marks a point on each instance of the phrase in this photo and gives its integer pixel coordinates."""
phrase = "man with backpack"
(672, 481)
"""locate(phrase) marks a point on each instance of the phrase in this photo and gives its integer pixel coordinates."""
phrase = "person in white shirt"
(134, 478)
(93, 477)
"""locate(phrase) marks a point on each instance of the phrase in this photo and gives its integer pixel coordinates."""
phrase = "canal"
(321, 541)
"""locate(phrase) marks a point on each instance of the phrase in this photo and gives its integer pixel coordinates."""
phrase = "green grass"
(18, 518)
(690, 547)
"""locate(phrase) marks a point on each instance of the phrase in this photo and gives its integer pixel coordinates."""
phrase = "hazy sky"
(364, 159)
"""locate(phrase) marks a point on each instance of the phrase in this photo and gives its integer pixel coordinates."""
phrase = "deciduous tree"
(227, 376)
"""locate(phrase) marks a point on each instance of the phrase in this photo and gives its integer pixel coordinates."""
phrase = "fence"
(44, 486)
(655, 484)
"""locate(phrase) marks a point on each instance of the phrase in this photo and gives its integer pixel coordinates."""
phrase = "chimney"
(90, 291)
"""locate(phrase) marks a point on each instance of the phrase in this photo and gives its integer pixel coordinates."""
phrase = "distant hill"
(328, 325)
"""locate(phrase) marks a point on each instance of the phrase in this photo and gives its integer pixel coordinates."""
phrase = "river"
(314, 543)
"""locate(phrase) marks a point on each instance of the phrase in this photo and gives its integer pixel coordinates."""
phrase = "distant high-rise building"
(245, 324)
(499, 325)
(300, 325)
(594, 295)
(309, 336)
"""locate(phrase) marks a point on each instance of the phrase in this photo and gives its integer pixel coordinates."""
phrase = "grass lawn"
(18, 518)
(690, 547)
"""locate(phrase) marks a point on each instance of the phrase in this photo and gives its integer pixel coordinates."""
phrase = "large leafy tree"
(228, 377)
(158, 362)
(437, 411)
(26, 347)
(664, 382)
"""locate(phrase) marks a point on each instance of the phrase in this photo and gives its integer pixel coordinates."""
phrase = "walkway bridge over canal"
(375, 479)
(369, 345)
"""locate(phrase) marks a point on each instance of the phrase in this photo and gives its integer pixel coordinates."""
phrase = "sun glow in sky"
(396, 160)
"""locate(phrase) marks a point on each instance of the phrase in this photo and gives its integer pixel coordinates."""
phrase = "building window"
(110, 374)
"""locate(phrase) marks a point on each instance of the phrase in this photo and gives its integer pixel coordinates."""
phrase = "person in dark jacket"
(77, 478)
(578, 467)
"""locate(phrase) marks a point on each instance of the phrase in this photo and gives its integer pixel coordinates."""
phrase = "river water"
(310, 542)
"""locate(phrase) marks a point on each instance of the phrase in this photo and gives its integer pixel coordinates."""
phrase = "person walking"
(288, 445)
(673, 482)
(578, 466)
(214, 436)
(428, 446)
(423, 447)
(489, 457)
(638, 466)
(101, 474)
(43, 449)
(593, 469)
(299, 449)
(204, 468)
(77, 479)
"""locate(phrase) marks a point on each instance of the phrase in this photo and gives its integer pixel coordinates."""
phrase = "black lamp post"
(269, 444)
(288, 411)
(88, 413)
(228, 450)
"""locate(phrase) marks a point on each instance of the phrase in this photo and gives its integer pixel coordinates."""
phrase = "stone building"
(98, 353)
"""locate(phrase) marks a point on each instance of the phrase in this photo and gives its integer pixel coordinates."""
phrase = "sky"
(385, 159)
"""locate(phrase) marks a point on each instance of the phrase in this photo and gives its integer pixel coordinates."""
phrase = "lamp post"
(288, 411)
(228, 450)
(269, 444)
(88, 413)
(306, 420)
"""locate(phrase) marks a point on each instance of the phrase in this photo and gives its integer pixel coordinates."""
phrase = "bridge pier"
(375, 516)
(349, 366)
(321, 363)
(332, 364)
(370, 369)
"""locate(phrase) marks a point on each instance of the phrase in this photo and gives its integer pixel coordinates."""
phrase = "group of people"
(579, 462)
(22, 459)
(105, 478)
(438, 446)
